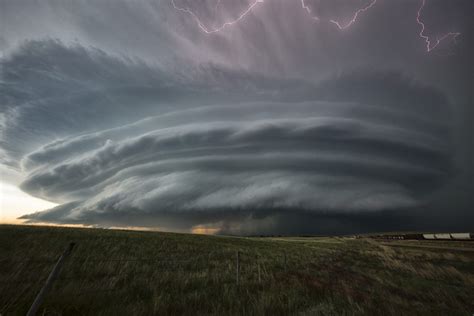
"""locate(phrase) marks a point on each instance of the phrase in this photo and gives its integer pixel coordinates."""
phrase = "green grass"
(146, 273)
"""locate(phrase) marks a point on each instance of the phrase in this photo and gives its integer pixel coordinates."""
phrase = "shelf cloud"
(191, 155)
(130, 115)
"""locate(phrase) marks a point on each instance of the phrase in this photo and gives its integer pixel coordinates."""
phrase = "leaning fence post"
(238, 267)
(49, 282)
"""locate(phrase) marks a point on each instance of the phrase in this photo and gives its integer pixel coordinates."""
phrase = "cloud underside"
(138, 147)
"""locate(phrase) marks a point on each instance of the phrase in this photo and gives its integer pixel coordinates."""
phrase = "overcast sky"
(290, 117)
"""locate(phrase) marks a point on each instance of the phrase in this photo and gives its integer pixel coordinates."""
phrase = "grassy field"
(114, 272)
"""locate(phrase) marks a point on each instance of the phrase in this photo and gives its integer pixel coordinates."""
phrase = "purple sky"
(273, 116)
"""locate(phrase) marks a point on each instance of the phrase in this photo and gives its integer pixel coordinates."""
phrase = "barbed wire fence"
(228, 266)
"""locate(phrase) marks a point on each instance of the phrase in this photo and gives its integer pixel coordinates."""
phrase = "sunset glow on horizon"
(15, 203)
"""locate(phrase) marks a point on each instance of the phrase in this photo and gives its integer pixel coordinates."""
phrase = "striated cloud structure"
(121, 142)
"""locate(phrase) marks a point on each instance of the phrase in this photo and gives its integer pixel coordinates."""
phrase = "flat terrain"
(114, 272)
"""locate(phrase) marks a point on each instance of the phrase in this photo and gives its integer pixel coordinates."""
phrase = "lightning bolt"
(429, 45)
(224, 25)
(308, 10)
(354, 17)
(337, 23)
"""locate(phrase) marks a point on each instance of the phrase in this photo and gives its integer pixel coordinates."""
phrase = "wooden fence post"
(238, 267)
(259, 273)
(209, 266)
(49, 282)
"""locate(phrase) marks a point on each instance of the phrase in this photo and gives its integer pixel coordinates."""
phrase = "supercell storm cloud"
(133, 115)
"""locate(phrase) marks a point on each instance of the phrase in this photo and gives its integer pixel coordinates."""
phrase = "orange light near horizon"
(204, 230)
(15, 203)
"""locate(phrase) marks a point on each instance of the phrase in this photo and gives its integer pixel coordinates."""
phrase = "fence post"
(238, 267)
(259, 273)
(209, 266)
(49, 282)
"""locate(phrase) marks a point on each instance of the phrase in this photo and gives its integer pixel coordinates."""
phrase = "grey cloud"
(129, 115)
(76, 89)
(313, 137)
(219, 146)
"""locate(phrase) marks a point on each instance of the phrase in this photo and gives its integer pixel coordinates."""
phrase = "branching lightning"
(224, 25)
(308, 10)
(354, 17)
(340, 25)
(430, 45)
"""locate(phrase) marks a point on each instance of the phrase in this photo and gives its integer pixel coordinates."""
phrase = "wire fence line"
(85, 260)
(223, 267)
(202, 255)
(214, 262)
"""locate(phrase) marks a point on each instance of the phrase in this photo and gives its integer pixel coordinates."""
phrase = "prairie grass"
(113, 272)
